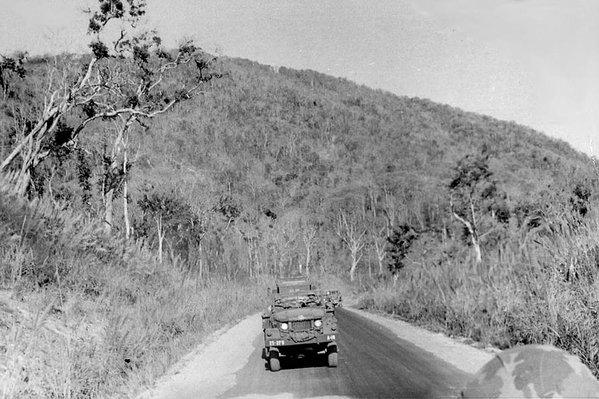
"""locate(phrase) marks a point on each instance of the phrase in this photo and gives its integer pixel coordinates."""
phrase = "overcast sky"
(532, 61)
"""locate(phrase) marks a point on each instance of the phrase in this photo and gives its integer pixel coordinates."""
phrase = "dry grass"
(65, 343)
(86, 316)
(544, 292)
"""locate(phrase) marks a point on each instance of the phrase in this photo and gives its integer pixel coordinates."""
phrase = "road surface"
(373, 363)
(378, 358)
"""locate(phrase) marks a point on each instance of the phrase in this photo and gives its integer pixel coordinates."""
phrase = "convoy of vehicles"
(299, 321)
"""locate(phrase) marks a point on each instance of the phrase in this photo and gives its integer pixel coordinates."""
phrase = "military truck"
(333, 297)
(298, 321)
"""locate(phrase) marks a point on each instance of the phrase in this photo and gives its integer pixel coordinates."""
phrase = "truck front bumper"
(274, 338)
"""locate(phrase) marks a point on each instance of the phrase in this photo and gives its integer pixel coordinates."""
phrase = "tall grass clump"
(545, 291)
(86, 315)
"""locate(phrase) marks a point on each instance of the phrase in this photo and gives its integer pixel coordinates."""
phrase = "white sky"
(532, 61)
(556, 41)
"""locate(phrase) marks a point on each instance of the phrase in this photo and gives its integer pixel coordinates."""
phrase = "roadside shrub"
(544, 293)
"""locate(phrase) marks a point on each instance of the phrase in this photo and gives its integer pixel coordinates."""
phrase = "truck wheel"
(333, 359)
(274, 362)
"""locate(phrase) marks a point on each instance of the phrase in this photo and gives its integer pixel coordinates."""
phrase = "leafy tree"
(167, 218)
(476, 202)
(580, 200)
(228, 207)
(11, 68)
(127, 79)
(398, 247)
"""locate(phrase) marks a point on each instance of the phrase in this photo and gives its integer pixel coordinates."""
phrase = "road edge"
(464, 357)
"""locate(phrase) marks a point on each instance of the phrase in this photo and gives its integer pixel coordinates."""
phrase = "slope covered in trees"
(266, 173)
(308, 148)
(293, 171)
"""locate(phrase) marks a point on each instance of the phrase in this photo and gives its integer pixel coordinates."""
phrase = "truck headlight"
(318, 323)
(284, 326)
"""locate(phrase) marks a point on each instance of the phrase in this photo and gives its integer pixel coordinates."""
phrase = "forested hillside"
(132, 238)
(296, 159)
(263, 167)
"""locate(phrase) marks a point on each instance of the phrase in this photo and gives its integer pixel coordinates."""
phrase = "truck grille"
(300, 325)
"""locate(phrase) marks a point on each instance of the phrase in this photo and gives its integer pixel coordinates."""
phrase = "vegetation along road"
(379, 358)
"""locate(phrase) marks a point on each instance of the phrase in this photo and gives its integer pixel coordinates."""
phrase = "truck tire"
(274, 362)
(333, 359)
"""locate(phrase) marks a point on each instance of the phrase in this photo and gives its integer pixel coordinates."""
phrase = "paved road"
(373, 363)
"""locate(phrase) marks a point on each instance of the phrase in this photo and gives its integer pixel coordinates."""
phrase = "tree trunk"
(108, 211)
(160, 237)
(308, 236)
(355, 259)
(474, 234)
(120, 143)
(381, 252)
(477, 251)
(346, 230)
(125, 194)
(22, 181)
(200, 260)
(473, 237)
(250, 259)
(308, 256)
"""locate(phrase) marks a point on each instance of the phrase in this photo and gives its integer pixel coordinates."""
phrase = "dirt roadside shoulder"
(209, 370)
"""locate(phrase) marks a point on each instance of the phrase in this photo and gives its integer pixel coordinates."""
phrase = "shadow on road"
(308, 360)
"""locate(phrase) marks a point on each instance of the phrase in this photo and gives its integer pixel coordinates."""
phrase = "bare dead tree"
(380, 225)
(472, 229)
(379, 241)
(308, 237)
(353, 238)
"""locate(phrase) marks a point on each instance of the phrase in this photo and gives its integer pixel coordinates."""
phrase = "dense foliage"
(265, 152)
(262, 159)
